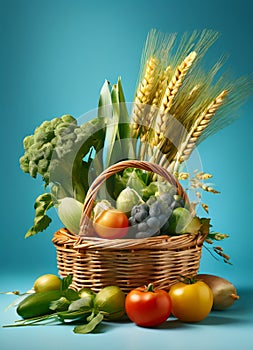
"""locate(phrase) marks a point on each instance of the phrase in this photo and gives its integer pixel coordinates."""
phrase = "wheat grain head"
(197, 129)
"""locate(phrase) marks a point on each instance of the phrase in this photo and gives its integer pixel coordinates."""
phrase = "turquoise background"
(54, 58)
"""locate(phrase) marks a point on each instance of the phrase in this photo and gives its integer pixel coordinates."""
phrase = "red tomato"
(111, 224)
(148, 307)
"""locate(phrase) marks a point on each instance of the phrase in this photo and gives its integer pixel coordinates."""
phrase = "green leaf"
(67, 316)
(66, 282)
(73, 171)
(105, 102)
(124, 126)
(61, 304)
(134, 180)
(116, 108)
(154, 187)
(71, 294)
(115, 99)
(35, 320)
(124, 116)
(112, 120)
(90, 317)
(205, 226)
(84, 304)
(149, 190)
(89, 327)
(41, 221)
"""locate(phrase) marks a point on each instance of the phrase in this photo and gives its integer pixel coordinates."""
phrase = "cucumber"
(37, 304)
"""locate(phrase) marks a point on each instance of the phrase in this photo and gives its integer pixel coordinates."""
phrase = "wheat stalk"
(146, 129)
(181, 109)
(176, 81)
(163, 122)
(144, 95)
(197, 129)
(161, 86)
(184, 111)
(169, 95)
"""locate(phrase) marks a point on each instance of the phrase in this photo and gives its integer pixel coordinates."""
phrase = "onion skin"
(224, 292)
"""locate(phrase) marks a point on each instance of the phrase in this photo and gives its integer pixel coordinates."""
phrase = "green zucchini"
(37, 304)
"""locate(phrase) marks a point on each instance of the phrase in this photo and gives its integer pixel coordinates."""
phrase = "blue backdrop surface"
(55, 56)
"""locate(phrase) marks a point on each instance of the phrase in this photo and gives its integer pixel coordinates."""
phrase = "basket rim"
(148, 243)
(63, 236)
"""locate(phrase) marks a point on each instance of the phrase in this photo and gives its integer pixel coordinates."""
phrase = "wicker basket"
(128, 263)
(64, 242)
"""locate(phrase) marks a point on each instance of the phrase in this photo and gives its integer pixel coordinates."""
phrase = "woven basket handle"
(97, 183)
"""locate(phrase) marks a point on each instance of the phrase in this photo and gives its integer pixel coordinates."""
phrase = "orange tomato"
(111, 224)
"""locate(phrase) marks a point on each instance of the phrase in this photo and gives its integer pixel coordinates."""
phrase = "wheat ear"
(161, 86)
(146, 132)
(204, 187)
(197, 129)
(169, 95)
(144, 95)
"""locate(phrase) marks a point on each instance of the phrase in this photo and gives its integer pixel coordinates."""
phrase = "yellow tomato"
(191, 302)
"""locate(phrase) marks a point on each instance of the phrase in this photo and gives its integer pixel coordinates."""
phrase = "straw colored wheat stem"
(169, 95)
(144, 95)
(197, 129)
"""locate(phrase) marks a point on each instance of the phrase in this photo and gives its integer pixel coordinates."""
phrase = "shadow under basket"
(128, 263)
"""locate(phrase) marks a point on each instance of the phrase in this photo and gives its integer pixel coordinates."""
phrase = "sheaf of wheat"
(178, 103)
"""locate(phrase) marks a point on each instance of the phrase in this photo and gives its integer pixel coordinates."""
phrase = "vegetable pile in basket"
(177, 104)
(163, 213)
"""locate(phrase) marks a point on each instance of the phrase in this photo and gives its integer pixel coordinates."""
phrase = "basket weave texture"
(128, 263)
